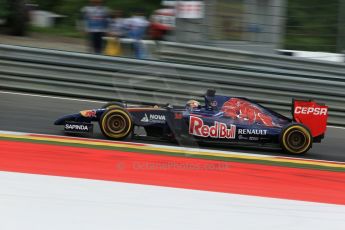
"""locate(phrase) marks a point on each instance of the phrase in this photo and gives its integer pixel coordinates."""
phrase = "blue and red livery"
(221, 120)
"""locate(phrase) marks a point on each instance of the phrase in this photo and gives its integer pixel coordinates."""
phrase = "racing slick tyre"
(116, 123)
(296, 139)
(111, 105)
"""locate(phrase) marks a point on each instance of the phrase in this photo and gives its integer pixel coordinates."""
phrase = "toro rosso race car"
(221, 119)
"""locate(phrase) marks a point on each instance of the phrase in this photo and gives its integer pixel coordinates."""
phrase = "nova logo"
(145, 118)
(218, 130)
(157, 117)
(153, 118)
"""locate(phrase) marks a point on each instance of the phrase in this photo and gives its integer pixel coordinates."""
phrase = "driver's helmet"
(192, 105)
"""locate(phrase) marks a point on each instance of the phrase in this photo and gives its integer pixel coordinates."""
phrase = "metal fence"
(265, 25)
(110, 78)
(229, 58)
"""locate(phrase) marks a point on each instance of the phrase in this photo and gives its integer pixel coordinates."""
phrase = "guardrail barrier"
(136, 81)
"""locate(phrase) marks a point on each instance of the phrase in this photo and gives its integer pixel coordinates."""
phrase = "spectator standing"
(95, 17)
(137, 26)
(116, 30)
(117, 27)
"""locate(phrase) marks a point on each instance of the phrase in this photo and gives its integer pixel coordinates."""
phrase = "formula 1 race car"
(222, 120)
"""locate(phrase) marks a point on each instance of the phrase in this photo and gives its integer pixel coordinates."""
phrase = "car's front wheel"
(116, 123)
(296, 139)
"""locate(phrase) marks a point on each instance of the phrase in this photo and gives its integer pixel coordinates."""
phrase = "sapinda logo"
(310, 110)
(76, 127)
(218, 130)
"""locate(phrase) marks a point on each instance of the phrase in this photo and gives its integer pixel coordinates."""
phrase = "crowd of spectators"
(100, 22)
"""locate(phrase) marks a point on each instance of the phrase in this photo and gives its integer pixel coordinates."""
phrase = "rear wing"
(312, 115)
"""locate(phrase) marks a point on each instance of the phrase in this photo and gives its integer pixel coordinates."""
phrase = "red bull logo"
(218, 130)
(239, 109)
(88, 113)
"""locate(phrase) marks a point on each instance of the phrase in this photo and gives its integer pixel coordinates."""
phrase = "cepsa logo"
(218, 130)
(310, 110)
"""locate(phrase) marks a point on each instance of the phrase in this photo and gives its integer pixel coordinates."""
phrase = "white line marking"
(52, 97)
(335, 127)
(13, 133)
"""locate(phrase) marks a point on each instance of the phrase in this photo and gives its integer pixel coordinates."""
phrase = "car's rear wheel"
(111, 105)
(296, 139)
(116, 123)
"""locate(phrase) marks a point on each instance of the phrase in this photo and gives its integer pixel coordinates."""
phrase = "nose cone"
(61, 120)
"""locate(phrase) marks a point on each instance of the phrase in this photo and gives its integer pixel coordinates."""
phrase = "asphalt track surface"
(36, 113)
